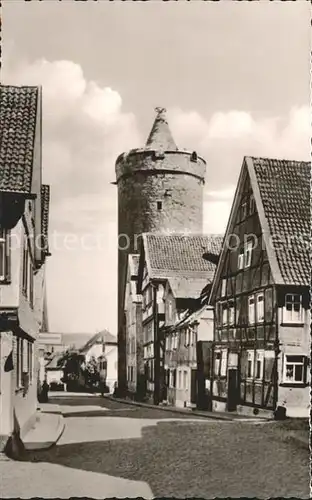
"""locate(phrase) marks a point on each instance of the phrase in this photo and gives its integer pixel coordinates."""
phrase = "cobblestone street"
(111, 449)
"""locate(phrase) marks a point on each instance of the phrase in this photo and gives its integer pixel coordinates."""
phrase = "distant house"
(134, 331)
(169, 265)
(53, 372)
(24, 215)
(103, 344)
(261, 348)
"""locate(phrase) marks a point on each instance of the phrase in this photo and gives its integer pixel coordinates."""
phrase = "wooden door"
(232, 396)
(193, 386)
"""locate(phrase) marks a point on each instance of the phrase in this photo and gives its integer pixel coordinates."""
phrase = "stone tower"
(160, 188)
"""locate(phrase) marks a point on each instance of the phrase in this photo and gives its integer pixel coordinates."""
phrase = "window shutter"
(305, 369)
(306, 300)
(8, 256)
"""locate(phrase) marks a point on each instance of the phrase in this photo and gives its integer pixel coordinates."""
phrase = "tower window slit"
(159, 205)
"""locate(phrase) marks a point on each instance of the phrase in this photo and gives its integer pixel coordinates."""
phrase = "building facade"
(261, 348)
(24, 209)
(160, 188)
(183, 367)
(171, 273)
(134, 332)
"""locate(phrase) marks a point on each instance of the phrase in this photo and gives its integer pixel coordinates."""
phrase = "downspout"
(212, 361)
(277, 351)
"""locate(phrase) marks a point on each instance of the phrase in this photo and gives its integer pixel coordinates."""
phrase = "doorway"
(232, 396)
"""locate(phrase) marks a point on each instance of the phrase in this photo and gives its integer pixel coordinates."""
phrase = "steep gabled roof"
(178, 256)
(99, 338)
(18, 118)
(160, 136)
(281, 190)
(284, 188)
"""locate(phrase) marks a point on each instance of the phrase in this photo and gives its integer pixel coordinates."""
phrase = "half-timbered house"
(260, 292)
(179, 259)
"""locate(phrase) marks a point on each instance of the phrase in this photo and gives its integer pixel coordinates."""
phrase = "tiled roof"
(181, 256)
(18, 116)
(189, 288)
(54, 363)
(45, 203)
(285, 194)
(160, 136)
(76, 340)
(99, 338)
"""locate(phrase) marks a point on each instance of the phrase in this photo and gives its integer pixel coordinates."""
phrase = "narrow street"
(111, 449)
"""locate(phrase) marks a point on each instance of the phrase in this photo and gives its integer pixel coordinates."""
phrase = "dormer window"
(248, 253)
(244, 210)
(240, 263)
(194, 156)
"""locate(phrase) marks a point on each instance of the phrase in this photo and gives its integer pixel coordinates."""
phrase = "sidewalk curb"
(171, 409)
(35, 443)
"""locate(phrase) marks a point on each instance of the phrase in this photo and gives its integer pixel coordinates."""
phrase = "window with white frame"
(231, 313)
(170, 310)
(260, 307)
(251, 309)
(224, 314)
(171, 379)
(217, 361)
(259, 365)
(5, 252)
(294, 369)
(240, 263)
(248, 253)
(175, 342)
(292, 312)
(187, 337)
(223, 287)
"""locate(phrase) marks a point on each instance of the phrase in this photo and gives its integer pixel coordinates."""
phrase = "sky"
(234, 77)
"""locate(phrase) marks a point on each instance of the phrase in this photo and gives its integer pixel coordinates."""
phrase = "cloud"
(84, 130)
(226, 137)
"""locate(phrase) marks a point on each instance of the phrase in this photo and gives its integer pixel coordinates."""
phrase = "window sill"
(296, 325)
(5, 282)
(19, 389)
(294, 384)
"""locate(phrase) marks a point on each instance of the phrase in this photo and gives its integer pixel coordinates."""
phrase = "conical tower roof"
(160, 136)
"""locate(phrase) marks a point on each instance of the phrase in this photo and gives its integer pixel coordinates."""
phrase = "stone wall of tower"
(146, 178)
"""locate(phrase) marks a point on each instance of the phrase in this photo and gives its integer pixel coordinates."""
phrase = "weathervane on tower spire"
(160, 110)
